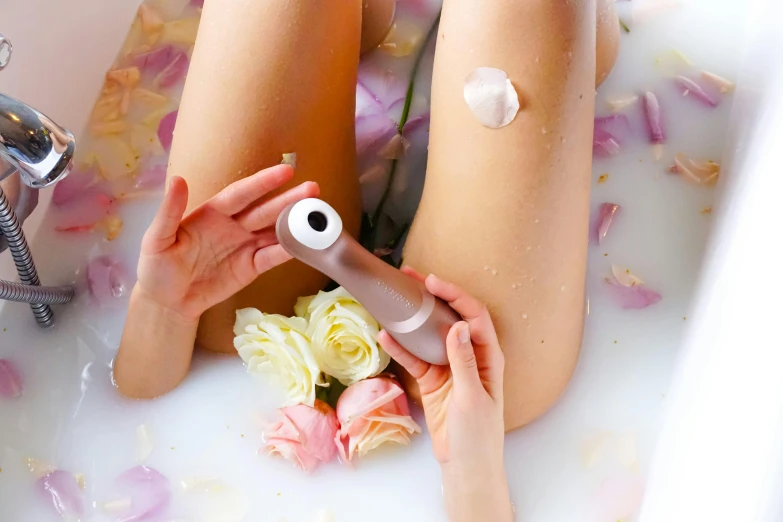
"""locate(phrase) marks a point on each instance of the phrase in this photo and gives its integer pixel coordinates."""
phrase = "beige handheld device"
(312, 232)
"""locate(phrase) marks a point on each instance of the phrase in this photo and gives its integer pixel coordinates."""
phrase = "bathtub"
(673, 413)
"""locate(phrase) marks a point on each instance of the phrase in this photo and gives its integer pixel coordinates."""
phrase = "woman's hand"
(188, 265)
(463, 406)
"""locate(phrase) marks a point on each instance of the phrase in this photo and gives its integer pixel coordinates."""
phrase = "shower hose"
(30, 291)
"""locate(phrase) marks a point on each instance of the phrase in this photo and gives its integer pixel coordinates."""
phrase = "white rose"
(278, 347)
(343, 336)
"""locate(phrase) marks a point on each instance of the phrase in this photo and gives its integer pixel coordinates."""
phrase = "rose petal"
(62, 490)
(278, 347)
(722, 84)
(85, 212)
(154, 61)
(304, 435)
(372, 130)
(604, 144)
(145, 141)
(606, 215)
(108, 281)
(621, 102)
(182, 32)
(366, 102)
(151, 177)
(415, 124)
(690, 88)
(653, 118)
(174, 72)
(289, 158)
(700, 172)
(373, 412)
(11, 385)
(149, 491)
(166, 129)
(609, 132)
(386, 87)
(73, 186)
(491, 97)
(396, 148)
(629, 291)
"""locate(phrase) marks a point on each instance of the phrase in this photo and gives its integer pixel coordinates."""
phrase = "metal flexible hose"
(30, 291)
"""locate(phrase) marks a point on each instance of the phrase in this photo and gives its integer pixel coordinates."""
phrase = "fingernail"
(463, 333)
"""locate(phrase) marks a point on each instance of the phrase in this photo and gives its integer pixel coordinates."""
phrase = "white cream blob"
(491, 97)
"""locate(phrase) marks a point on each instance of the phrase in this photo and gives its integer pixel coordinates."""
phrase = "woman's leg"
(505, 211)
(268, 78)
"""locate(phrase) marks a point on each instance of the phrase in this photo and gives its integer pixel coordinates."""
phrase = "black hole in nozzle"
(317, 221)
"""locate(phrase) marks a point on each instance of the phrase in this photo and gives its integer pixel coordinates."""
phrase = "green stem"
(624, 26)
(406, 109)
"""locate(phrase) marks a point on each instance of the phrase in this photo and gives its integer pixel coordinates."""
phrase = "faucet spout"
(39, 148)
(42, 152)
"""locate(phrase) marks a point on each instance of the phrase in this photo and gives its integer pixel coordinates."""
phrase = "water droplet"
(5, 51)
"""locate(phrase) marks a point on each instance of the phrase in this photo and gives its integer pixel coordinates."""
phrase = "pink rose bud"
(372, 412)
(304, 435)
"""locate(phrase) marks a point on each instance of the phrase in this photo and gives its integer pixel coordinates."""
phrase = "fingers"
(269, 257)
(240, 194)
(162, 232)
(264, 213)
(470, 308)
(409, 271)
(412, 364)
(462, 358)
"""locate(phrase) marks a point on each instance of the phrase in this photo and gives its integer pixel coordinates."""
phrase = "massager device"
(312, 232)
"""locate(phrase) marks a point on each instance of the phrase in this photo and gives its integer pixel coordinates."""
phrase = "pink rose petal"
(653, 118)
(372, 412)
(11, 385)
(692, 89)
(156, 60)
(166, 130)
(84, 213)
(304, 435)
(366, 102)
(197, 3)
(385, 86)
(151, 177)
(373, 131)
(73, 186)
(629, 291)
(149, 493)
(174, 72)
(108, 281)
(415, 124)
(62, 490)
(606, 215)
(609, 132)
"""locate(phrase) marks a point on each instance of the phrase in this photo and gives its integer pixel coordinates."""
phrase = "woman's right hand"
(188, 265)
(463, 406)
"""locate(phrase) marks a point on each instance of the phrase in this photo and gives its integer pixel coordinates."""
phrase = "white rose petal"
(278, 347)
(344, 336)
(491, 97)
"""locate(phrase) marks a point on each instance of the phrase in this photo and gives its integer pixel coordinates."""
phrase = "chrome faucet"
(42, 153)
